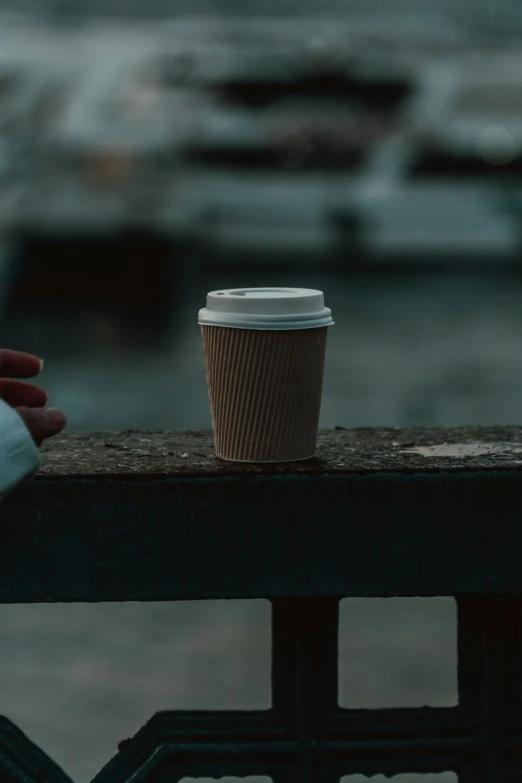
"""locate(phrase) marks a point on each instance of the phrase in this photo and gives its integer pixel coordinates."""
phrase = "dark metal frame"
(306, 737)
(304, 542)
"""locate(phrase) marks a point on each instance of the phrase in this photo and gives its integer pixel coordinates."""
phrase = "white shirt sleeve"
(19, 455)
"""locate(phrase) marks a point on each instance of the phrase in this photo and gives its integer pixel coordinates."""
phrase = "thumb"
(42, 423)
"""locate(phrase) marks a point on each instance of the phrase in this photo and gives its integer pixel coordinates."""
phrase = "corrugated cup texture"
(265, 391)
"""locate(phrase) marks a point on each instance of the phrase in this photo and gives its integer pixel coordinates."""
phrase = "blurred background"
(152, 152)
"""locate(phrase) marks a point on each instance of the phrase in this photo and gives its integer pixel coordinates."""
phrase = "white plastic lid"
(266, 308)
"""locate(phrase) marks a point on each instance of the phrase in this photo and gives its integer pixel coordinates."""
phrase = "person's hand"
(28, 399)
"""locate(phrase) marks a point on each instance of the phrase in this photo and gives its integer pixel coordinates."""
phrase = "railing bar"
(316, 673)
(326, 635)
(471, 642)
(285, 655)
(305, 661)
(502, 618)
(490, 660)
(335, 770)
(509, 660)
(474, 772)
(498, 624)
(430, 750)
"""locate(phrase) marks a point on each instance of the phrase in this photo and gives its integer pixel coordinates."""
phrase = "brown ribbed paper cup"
(265, 384)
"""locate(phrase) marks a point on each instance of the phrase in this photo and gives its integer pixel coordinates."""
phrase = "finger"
(15, 364)
(16, 393)
(43, 423)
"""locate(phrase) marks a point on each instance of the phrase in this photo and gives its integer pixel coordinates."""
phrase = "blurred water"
(427, 349)
(501, 15)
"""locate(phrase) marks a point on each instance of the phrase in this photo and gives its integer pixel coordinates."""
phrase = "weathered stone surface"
(137, 516)
(413, 449)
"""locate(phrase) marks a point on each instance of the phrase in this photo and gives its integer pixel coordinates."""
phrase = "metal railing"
(414, 512)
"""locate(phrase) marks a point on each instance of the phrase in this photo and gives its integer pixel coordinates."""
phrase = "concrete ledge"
(136, 454)
(126, 516)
